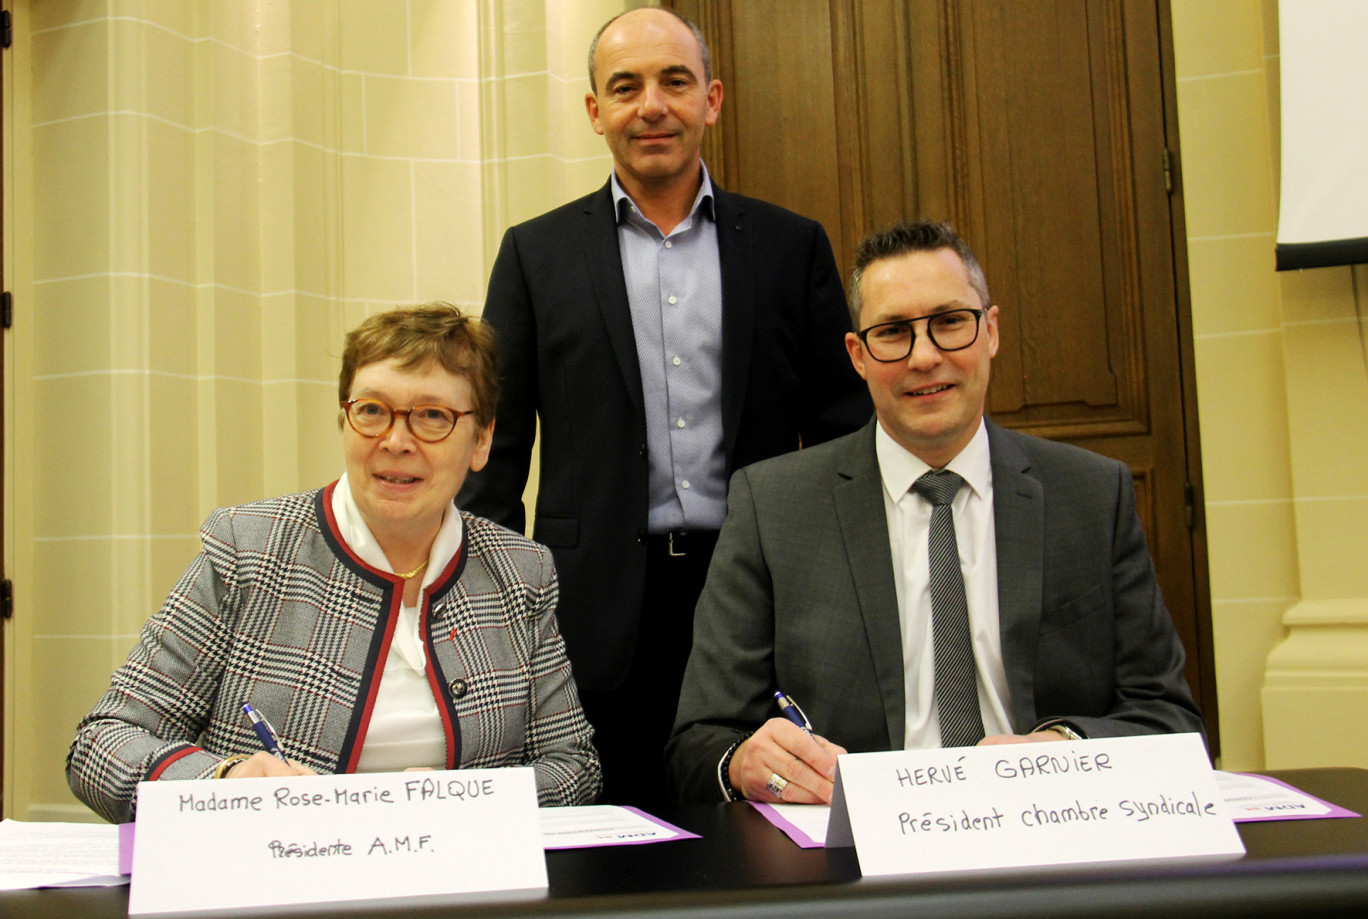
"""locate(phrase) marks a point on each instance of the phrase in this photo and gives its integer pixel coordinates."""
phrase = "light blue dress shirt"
(674, 288)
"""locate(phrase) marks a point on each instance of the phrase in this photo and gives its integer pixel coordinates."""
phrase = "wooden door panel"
(1039, 129)
(1042, 184)
(778, 118)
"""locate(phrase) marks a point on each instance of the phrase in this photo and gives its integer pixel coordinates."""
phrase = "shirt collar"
(900, 468)
(624, 206)
(351, 526)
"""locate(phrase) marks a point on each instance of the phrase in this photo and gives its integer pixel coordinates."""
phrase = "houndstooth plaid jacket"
(277, 611)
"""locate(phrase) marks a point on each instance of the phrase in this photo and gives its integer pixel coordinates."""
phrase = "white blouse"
(405, 728)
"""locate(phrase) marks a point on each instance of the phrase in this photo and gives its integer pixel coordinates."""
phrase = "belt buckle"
(673, 553)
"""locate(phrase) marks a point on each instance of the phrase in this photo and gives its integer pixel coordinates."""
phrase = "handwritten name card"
(922, 811)
(241, 843)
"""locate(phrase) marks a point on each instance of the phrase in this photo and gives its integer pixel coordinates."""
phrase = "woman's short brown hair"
(420, 336)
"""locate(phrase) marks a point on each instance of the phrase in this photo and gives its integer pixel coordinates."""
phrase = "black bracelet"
(723, 770)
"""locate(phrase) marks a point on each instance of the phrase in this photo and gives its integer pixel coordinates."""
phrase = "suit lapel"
(738, 309)
(604, 258)
(858, 496)
(1019, 522)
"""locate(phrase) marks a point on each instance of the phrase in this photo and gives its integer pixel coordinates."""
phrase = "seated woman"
(372, 623)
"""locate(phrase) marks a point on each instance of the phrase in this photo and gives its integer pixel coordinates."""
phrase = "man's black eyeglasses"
(952, 330)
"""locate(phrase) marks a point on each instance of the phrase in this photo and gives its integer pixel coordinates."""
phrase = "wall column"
(1315, 693)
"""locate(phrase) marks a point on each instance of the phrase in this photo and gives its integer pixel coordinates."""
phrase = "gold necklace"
(410, 574)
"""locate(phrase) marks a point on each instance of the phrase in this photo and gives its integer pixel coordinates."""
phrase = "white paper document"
(1021, 805)
(603, 825)
(805, 824)
(271, 842)
(1248, 797)
(1258, 797)
(58, 855)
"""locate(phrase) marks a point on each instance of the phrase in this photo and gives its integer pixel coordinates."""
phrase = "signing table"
(743, 866)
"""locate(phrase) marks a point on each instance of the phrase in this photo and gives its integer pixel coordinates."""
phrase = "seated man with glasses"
(931, 580)
(377, 626)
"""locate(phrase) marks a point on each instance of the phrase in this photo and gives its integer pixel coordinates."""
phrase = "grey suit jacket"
(800, 597)
(279, 611)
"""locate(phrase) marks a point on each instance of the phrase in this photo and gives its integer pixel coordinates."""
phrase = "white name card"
(1017, 805)
(241, 843)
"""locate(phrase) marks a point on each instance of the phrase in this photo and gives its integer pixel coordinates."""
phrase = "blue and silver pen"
(790, 710)
(265, 732)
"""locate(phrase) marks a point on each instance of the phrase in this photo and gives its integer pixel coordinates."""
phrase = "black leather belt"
(682, 543)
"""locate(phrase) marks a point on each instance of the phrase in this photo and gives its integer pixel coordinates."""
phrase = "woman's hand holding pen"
(783, 763)
(264, 764)
(273, 761)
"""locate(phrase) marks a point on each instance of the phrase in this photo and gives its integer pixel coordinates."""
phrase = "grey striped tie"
(961, 724)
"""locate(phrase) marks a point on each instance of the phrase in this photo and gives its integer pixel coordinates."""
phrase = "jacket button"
(458, 688)
(645, 453)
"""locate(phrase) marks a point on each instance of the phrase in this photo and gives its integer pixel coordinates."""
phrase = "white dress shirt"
(405, 728)
(909, 525)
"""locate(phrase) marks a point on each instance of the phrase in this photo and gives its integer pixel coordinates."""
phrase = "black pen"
(265, 732)
(790, 710)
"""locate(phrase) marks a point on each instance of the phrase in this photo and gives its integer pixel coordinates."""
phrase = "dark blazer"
(558, 303)
(800, 597)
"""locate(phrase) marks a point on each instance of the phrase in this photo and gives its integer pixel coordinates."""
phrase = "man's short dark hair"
(913, 236)
(693, 27)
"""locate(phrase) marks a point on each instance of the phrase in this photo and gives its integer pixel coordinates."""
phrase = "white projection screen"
(1323, 206)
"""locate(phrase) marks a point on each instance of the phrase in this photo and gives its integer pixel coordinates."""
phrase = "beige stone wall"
(201, 198)
(1283, 405)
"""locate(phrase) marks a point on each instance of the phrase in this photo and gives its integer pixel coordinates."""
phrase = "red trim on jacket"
(380, 650)
(445, 707)
(158, 769)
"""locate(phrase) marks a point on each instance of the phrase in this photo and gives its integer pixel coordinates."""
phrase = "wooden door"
(1045, 131)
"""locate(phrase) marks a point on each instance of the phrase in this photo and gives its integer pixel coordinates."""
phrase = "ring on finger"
(776, 785)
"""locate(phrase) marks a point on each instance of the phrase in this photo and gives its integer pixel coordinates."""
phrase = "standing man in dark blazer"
(825, 580)
(664, 333)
